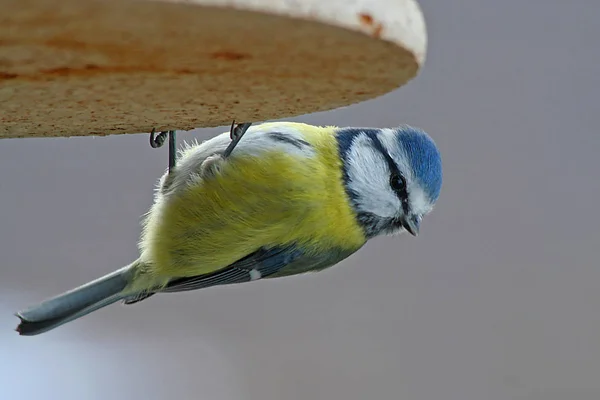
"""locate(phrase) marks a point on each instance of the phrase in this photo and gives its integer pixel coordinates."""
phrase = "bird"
(263, 201)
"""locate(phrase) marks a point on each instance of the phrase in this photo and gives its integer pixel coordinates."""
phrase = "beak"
(412, 224)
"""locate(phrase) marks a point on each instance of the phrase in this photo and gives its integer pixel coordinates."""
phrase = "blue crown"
(424, 159)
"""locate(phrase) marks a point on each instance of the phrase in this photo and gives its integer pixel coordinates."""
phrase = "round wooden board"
(99, 67)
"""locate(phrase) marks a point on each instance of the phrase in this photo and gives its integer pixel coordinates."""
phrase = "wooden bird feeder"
(99, 67)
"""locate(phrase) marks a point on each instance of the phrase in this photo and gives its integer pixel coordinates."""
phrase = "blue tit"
(288, 199)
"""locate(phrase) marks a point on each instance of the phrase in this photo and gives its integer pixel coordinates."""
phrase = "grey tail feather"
(75, 303)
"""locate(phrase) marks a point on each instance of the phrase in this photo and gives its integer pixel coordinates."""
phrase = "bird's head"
(392, 176)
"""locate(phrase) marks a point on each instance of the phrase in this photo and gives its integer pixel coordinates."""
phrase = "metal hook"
(159, 140)
(235, 133)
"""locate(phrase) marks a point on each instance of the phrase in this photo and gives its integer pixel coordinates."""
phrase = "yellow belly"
(273, 199)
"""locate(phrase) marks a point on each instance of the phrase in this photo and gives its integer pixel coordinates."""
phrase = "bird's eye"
(397, 182)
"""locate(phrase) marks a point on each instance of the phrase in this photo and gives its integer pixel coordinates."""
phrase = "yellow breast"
(273, 199)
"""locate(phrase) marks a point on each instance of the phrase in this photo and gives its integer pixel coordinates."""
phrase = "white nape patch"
(255, 141)
(369, 178)
(254, 275)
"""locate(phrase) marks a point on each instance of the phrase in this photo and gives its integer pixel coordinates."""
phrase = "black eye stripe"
(377, 144)
(402, 195)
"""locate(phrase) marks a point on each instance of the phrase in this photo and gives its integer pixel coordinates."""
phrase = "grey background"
(497, 299)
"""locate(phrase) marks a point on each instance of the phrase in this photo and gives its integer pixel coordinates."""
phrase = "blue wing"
(263, 263)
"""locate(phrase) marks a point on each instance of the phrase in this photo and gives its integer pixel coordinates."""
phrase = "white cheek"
(384, 206)
(369, 177)
(419, 203)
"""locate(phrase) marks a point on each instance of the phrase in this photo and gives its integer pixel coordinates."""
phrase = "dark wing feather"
(138, 297)
(270, 263)
(264, 261)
